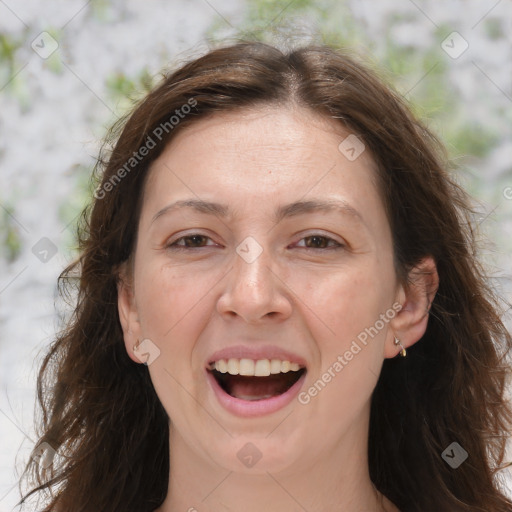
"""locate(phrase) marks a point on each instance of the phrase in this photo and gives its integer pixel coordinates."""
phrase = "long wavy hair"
(100, 412)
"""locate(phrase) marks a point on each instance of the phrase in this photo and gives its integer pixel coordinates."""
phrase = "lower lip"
(247, 408)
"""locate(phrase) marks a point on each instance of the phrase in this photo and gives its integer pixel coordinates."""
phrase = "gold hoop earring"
(397, 342)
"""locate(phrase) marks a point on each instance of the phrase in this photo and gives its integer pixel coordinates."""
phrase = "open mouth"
(250, 380)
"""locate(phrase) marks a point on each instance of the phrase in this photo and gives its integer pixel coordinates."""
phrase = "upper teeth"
(259, 368)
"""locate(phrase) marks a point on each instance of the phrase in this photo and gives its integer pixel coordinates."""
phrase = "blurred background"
(70, 68)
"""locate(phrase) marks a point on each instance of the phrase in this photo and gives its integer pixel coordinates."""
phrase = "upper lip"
(256, 353)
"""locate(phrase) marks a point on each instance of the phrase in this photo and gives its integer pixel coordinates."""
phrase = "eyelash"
(174, 246)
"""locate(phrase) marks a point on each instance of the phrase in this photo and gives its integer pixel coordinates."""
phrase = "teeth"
(245, 367)
(251, 398)
(262, 368)
(222, 366)
(233, 367)
(275, 366)
(259, 368)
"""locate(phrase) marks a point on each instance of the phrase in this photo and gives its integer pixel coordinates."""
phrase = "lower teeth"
(251, 398)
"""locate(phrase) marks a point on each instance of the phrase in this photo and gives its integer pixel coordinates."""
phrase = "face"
(264, 250)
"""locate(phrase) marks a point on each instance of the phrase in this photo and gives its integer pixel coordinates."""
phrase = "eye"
(322, 242)
(198, 240)
(194, 240)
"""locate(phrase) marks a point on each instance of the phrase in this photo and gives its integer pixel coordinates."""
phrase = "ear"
(416, 298)
(128, 314)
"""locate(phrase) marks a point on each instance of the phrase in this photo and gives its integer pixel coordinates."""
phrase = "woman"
(270, 231)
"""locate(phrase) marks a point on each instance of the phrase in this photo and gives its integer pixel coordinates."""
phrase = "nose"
(255, 290)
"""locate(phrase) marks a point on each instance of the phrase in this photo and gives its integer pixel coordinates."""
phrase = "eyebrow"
(282, 212)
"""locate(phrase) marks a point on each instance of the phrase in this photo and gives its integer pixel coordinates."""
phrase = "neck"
(337, 479)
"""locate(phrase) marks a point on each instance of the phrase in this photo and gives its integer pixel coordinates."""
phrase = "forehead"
(276, 132)
(279, 154)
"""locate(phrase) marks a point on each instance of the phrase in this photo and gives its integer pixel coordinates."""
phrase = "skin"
(297, 295)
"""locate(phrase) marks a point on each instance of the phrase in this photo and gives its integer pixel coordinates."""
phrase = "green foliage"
(54, 61)
(100, 9)
(420, 74)
(125, 90)
(473, 139)
(70, 210)
(10, 241)
(8, 48)
(494, 29)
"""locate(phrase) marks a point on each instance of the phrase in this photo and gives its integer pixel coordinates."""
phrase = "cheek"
(171, 304)
(345, 303)
(166, 296)
(350, 338)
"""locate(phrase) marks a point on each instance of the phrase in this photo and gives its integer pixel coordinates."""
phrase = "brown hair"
(100, 411)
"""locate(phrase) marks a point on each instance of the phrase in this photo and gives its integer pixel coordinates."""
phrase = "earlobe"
(410, 323)
(128, 315)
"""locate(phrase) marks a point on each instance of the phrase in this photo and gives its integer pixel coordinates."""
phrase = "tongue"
(259, 388)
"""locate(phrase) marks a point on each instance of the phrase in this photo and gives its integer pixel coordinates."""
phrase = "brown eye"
(321, 242)
(195, 240)
(317, 242)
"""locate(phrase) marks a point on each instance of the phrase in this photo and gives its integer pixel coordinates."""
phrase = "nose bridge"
(254, 290)
(252, 266)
